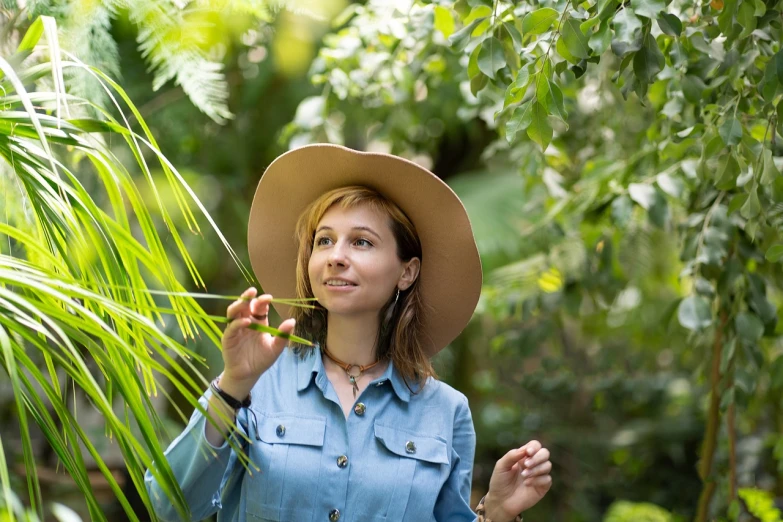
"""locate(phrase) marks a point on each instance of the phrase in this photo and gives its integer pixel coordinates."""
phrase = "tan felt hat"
(450, 278)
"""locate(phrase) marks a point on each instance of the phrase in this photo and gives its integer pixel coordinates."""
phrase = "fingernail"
(525, 473)
(528, 462)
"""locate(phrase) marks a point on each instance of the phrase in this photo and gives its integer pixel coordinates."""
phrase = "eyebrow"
(367, 229)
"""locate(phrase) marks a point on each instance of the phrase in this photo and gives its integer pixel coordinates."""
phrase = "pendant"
(352, 380)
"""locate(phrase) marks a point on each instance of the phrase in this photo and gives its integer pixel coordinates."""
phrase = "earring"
(397, 297)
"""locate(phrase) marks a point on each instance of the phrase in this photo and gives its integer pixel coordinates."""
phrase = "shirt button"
(410, 447)
(334, 515)
(280, 430)
(342, 461)
(359, 409)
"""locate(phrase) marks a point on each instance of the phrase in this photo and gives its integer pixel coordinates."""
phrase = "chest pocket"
(422, 466)
(287, 449)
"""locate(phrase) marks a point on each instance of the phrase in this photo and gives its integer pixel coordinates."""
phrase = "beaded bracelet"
(482, 517)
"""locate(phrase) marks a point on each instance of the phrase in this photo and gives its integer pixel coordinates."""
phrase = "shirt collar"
(313, 364)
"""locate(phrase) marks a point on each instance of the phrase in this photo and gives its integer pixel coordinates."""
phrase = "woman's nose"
(337, 257)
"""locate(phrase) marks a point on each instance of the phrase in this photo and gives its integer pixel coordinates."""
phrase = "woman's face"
(354, 268)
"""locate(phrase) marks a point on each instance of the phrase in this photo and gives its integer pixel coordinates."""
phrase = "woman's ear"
(409, 274)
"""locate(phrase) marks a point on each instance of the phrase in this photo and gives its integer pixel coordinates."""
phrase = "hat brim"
(450, 277)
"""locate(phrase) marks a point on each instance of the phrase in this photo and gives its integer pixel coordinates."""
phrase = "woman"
(357, 428)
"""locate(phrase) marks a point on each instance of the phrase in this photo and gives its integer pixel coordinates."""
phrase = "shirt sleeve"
(201, 469)
(453, 502)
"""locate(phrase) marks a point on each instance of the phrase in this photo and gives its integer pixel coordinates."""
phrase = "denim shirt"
(398, 457)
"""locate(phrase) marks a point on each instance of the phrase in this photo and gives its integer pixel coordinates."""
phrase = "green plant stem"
(713, 422)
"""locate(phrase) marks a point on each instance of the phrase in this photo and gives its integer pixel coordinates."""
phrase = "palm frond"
(82, 286)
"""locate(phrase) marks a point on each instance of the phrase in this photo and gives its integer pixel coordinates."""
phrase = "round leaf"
(749, 326)
(491, 57)
(670, 24)
(694, 313)
(540, 131)
(575, 40)
(774, 253)
(539, 21)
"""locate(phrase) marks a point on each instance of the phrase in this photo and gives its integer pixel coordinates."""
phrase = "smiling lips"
(339, 283)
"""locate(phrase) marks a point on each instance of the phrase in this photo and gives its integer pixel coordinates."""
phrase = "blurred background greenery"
(629, 318)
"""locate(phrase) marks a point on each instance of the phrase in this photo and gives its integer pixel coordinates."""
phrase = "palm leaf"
(78, 287)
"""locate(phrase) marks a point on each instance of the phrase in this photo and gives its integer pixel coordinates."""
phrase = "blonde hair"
(399, 336)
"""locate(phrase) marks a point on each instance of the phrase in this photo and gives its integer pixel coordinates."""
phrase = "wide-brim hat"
(450, 277)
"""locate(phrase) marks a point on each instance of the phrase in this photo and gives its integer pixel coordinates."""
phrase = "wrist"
(491, 510)
(238, 389)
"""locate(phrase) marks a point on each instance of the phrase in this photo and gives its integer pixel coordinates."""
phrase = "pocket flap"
(291, 429)
(405, 443)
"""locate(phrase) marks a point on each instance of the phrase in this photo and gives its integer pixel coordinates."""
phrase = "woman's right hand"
(249, 353)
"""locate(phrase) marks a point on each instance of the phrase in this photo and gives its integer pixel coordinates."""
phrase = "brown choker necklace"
(347, 369)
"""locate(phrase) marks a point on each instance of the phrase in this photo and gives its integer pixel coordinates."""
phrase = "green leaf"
(648, 8)
(539, 21)
(473, 68)
(622, 208)
(491, 58)
(778, 59)
(606, 9)
(479, 12)
(670, 24)
(601, 39)
(693, 88)
(478, 82)
(444, 22)
(628, 30)
(727, 354)
(671, 185)
(643, 194)
(694, 313)
(539, 130)
(736, 202)
(516, 91)
(519, 121)
(761, 9)
(563, 51)
(749, 326)
(575, 40)
(752, 207)
(774, 253)
(516, 37)
(747, 18)
(461, 38)
(769, 171)
(731, 131)
(554, 103)
(648, 61)
(727, 177)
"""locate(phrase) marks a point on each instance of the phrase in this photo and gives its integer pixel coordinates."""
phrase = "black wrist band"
(232, 402)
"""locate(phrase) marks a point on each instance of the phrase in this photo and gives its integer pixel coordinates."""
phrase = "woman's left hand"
(521, 478)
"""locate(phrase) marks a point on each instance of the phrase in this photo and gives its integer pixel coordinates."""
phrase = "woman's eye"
(320, 241)
(363, 242)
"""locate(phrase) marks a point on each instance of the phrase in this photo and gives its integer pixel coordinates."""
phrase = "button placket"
(334, 515)
(280, 430)
(410, 447)
(359, 409)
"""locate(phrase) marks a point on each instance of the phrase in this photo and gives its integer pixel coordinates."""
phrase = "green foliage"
(624, 120)
(760, 504)
(623, 511)
(178, 40)
(78, 279)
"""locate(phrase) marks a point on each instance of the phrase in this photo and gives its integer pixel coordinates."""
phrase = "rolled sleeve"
(199, 468)
(453, 502)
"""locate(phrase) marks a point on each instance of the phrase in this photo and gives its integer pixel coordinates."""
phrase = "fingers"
(541, 469)
(259, 309)
(279, 343)
(532, 447)
(241, 306)
(507, 461)
(542, 481)
(540, 457)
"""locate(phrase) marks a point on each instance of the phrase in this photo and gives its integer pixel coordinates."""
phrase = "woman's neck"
(352, 339)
